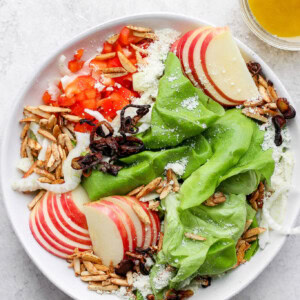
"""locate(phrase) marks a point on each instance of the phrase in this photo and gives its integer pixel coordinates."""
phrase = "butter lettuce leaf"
(143, 167)
(180, 110)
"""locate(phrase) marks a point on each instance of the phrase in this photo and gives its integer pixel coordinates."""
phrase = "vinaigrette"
(278, 17)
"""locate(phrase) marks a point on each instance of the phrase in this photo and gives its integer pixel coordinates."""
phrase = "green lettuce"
(143, 167)
(180, 110)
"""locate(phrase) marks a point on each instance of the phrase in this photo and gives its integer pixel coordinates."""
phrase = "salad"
(157, 164)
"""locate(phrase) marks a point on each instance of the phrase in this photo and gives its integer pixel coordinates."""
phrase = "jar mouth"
(285, 43)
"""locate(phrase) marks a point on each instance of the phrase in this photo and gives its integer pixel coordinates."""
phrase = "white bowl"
(56, 269)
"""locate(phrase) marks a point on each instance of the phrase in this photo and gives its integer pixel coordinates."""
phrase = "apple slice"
(107, 231)
(125, 203)
(60, 225)
(193, 60)
(39, 238)
(129, 226)
(52, 231)
(225, 67)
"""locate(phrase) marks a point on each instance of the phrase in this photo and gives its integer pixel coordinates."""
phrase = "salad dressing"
(279, 17)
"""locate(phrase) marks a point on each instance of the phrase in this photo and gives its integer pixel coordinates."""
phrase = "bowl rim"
(261, 33)
(39, 69)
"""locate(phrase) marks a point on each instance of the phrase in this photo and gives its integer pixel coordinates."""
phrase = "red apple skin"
(55, 222)
(65, 222)
(174, 46)
(130, 202)
(73, 211)
(157, 221)
(116, 219)
(38, 237)
(203, 50)
(122, 214)
(68, 242)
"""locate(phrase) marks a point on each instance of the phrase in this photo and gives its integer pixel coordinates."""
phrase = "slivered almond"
(145, 35)
(82, 269)
(254, 103)
(44, 180)
(139, 58)
(43, 122)
(36, 199)
(23, 147)
(169, 175)
(149, 187)
(241, 252)
(72, 118)
(90, 267)
(61, 140)
(60, 150)
(56, 131)
(58, 173)
(33, 144)
(30, 119)
(55, 152)
(44, 173)
(36, 111)
(263, 92)
(51, 161)
(29, 154)
(105, 56)
(141, 214)
(139, 28)
(161, 186)
(94, 278)
(92, 258)
(100, 287)
(112, 39)
(40, 163)
(270, 112)
(28, 114)
(76, 266)
(120, 282)
(193, 236)
(160, 241)
(126, 63)
(30, 171)
(255, 116)
(47, 134)
(25, 130)
(54, 166)
(51, 122)
(176, 186)
(114, 70)
(253, 231)
(251, 239)
(58, 181)
(129, 278)
(153, 205)
(247, 225)
(70, 127)
(271, 106)
(106, 282)
(68, 142)
(101, 267)
(114, 275)
(48, 153)
(85, 273)
(165, 192)
(54, 109)
(136, 191)
(262, 81)
(115, 75)
(272, 92)
(139, 49)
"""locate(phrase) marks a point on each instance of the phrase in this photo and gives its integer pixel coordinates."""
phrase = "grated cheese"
(162, 278)
(190, 103)
(142, 283)
(178, 166)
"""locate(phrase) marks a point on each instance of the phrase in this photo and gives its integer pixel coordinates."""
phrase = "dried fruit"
(285, 108)
(278, 122)
(124, 267)
(254, 68)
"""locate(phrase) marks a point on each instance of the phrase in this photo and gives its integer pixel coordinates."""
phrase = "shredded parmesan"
(178, 166)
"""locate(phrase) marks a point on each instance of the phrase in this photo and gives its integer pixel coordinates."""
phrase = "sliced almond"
(139, 59)
(61, 140)
(94, 278)
(139, 49)
(136, 191)
(105, 56)
(36, 199)
(54, 149)
(254, 103)
(76, 266)
(126, 63)
(145, 35)
(251, 239)
(51, 122)
(139, 28)
(114, 275)
(100, 287)
(43, 122)
(48, 153)
(101, 267)
(169, 175)
(193, 236)
(153, 205)
(241, 252)
(90, 267)
(23, 147)
(141, 214)
(70, 127)
(31, 169)
(271, 105)
(106, 282)
(47, 134)
(72, 118)
(33, 144)
(58, 172)
(255, 116)
(263, 92)
(149, 187)
(37, 111)
(30, 119)
(58, 181)
(160, 241)
(270, 112)
(262, 81)
(44, 173)
(253, 231)
(29, 154)
(120, 282)
(54, 109)
(56, 131)
(54, 166)
(112, 39)
(92, 258)
(176, 186)
(25, 130)
(272, 92)
(247, 225)
(161, 186)
(165, 192)
(115, 75)
(68, 143)
(113, 70)
(51, 161)
(44, 180)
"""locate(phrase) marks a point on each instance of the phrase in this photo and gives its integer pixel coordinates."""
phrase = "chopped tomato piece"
(114, 62)
(107, 47)
(75, 65)
(117, 47)
(98, 64)
(90, 93)
(60, 86)
(90, 104)
(83, 127)
(79, 84)
(125, 81)
(126, 93)
(126, 37)
(81, 96)
(77, 110)
(78, 54)
(64, 101)
(47, 98)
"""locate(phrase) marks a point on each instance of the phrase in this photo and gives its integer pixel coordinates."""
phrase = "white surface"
(31, 30)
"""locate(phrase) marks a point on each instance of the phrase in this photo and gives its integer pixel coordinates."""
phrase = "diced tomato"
(114, 62)
(133, 60)
(126, 37)
(83, 127)
(117, 47)
(75, 65)
(47, 98)
(90, 93)
(126, 93)
(125, 81)
(90, 104)
(60, 86)
(98, 64)
(77, 110)
(64, 101)
(79, 84)
(107, 47)
(78, 54)
(81, 96)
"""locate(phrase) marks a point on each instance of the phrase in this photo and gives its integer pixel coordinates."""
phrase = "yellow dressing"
(278, 17)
